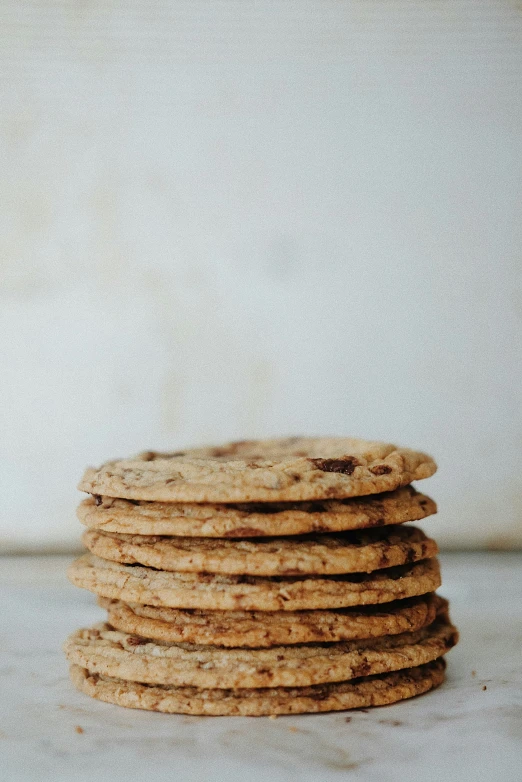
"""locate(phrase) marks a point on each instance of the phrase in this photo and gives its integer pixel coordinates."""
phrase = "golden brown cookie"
(101, 649)
(355, 694)
(271, 628)
(288, 469)
(248, 520)
(359, 551)
(137, 584)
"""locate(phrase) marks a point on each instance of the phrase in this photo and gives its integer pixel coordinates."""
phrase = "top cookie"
(287, 469)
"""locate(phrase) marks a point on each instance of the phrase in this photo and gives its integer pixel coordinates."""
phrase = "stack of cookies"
(260, 578)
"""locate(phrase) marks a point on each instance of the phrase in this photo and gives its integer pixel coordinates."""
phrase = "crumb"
(484, 687)
(273, 717)
(78, 729)
(293, 729)
(473, 673)
(62, 706)
(347, 719)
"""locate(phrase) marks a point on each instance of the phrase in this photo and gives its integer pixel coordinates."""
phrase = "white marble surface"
(461, 731)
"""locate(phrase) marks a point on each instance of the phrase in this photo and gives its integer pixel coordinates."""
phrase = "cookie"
(360, 551)
(288, 469)
(355, 694)
(261, 629)
(101, 649)
(135, 517)
(137, 584)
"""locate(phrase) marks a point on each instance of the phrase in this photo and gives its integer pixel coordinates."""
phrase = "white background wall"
(232, 219)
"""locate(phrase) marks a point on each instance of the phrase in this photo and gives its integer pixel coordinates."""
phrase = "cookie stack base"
(355, 694)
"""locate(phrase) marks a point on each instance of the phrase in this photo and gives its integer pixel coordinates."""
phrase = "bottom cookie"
(355, 694)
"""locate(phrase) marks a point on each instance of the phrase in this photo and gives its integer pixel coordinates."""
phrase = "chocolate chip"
(381, 469)
(97, 499)
(134, 640)
(363, 669)
(217, 452)
(346, 465)
(320, 692)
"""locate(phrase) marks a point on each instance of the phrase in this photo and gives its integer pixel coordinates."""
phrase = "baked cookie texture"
(349, 552)
(260, 629)
(379, 690)
(250, 520)
(137, 584)
(102, 649)
(260, 577)
(287, 469)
